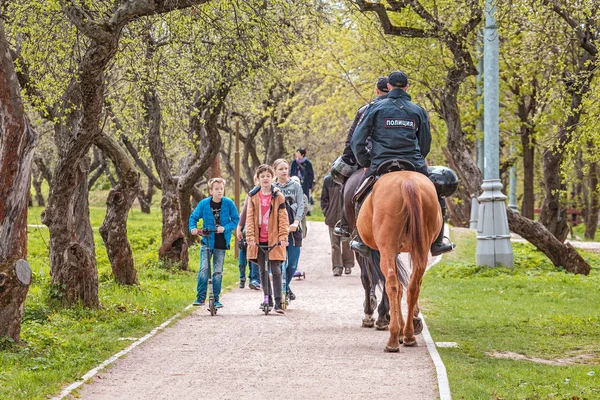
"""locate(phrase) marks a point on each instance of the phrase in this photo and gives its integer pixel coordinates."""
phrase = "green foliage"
(60, 345)
(532, 309)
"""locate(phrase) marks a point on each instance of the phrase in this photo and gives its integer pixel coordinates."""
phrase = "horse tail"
(415, 224)
(403, 272)
(377, 277)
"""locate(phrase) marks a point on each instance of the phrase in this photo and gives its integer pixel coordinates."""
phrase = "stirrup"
(338, 230)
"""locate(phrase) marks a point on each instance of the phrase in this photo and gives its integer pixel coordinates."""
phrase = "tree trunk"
(174, 241)
(145, 197)
(72, 251)
(43, 168)
(554, 213)
(591, 220)
(215, 168)
(528, 204)
(17, 143)
(119, 202)
(36, 181)
(459, 205)
(97, 174)
(203, 126)
(561, 254)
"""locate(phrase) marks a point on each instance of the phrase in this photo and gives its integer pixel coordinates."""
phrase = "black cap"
(302, 151)
(398, 79)
(382, 84)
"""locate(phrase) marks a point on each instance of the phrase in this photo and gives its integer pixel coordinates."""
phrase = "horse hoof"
(368, 323)
(382, 327)
(389, 349)
(418, 325)
(409, 343)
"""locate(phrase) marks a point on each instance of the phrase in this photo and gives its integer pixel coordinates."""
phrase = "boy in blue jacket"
(217, 213)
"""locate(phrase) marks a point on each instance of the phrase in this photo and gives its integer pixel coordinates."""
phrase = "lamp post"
(478, 141)
(493, 236)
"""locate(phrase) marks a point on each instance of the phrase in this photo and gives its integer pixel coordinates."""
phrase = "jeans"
(291, 264)
(218, 259)
(253, 269)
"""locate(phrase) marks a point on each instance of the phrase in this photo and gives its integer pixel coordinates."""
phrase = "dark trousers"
(342, 255)
(264, 275)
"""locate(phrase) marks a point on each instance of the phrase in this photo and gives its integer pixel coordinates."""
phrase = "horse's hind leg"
(370, 300)
(417, 322)
(394, 291)
(383, 311)
(414, 288)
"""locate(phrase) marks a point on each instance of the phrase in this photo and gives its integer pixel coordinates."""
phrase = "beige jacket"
(278, 224)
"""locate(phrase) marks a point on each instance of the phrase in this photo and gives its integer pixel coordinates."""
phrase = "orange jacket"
(278, 224)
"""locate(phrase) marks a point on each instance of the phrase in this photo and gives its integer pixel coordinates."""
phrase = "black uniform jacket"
(397, 128)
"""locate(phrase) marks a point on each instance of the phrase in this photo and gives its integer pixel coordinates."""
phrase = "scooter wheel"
(211, 307)
(266, 309)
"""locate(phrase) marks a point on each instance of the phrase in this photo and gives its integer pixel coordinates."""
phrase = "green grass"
(316, 214)
(579, 234)
(60, 345)
(533, 309)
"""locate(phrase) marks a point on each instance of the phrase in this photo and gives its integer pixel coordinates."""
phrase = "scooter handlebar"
(206, 231)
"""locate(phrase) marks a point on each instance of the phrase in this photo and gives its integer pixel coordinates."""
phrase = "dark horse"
(368, 276)
(402, 214)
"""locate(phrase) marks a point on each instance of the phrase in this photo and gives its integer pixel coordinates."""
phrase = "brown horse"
(402, 214)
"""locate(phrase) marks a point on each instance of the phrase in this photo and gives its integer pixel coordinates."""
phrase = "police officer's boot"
(359, 246)
(439, 247)
(341, 229)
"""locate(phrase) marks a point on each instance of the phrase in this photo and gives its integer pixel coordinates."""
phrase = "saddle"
(385, 167)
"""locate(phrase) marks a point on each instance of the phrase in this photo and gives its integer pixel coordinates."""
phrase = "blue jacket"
(229, 219)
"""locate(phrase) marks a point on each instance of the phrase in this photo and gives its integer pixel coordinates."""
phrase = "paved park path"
(317, 350)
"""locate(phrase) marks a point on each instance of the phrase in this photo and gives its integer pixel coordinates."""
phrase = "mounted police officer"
(397, 129)
(345, 165)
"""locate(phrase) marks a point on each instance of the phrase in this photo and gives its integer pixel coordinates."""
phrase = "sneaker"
(218, 304)
(242, 284)
(198, 303)
(347, 270)
(337, 271)
(253, 285)
(278, 309)
(291, 295)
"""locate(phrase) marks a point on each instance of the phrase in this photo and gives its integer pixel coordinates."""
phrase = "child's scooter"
(299, 275)
(204, 232)
(265, 307)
